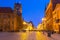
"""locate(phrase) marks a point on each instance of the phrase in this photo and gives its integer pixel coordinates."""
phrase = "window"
(58, 20)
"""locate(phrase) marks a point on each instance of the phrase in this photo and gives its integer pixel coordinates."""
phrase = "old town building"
(53, 14)
(18, 13)
(49, 17)
(11, 20)
(56, 18)
(28, 25)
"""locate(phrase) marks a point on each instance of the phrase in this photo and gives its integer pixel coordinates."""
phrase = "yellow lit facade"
(52, 15)
(48, 16)
(56, 18)
(40, 27)
(30, 26)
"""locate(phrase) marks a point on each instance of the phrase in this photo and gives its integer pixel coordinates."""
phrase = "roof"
(6, 10)
(31, 23)
(55, 2)
(18, 4)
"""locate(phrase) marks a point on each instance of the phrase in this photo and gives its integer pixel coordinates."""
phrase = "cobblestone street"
(27, 36)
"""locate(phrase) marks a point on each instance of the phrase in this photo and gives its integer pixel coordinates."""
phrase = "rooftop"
(6, 10)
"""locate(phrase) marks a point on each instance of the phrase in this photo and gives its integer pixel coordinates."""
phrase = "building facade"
(56, 18)
(54, 10)
(28, 25)
(11, 19)
(49, 16)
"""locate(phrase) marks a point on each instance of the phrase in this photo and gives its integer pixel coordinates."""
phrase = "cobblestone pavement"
(27, 36)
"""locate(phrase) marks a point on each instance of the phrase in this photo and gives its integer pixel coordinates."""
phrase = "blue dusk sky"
(32, 10)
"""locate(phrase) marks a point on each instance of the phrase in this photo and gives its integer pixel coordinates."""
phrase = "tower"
(18, 11)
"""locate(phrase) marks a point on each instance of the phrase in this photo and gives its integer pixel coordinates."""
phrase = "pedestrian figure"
(49, 33)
